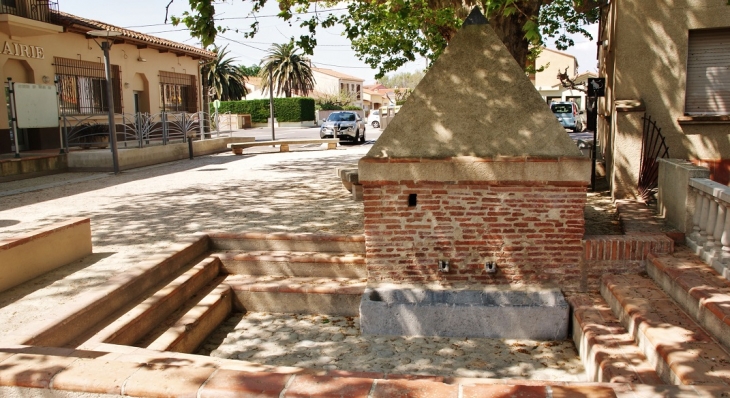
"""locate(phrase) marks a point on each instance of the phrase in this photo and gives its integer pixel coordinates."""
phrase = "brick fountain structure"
(474, 186)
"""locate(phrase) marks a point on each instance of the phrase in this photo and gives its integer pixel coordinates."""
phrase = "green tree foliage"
(223, 78)
(250, 71)
(402, 80)
(290, 70)
(296, 109)
(387, 34)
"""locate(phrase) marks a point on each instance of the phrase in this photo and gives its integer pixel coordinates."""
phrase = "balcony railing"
(39, 10)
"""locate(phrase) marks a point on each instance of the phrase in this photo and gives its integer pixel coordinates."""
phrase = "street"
(264, 133)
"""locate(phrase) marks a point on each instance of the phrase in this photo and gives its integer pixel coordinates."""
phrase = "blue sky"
(333, 51)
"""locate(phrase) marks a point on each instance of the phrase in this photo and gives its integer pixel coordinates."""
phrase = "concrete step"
(254, 241)
(297, 295)
(608, 351)
(697, 287)
(680, 350)
(186, 329)
(304, 264)
(126, 327)
(92, 307)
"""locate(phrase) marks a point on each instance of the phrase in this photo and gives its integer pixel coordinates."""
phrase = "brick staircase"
(294, 273)
(668, 325)
(173, 303)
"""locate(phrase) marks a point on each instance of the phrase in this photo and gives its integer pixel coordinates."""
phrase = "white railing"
(710, 237)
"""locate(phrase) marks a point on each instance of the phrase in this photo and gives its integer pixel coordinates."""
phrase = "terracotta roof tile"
(82, 25)
(336, 74)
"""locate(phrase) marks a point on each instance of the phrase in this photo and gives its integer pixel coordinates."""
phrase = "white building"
(547, 82)
(327, 81)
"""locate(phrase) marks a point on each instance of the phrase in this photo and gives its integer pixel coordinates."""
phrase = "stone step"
(185, 333)
(680, 350)
(304, 264)
(254, 241)
(297, 295)
(697, 287)
(92, 307)
(129, 325)
(608, 351)
(121, 371)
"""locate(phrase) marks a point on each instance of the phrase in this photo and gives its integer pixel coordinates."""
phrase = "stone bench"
(283, 144)
(350, 181)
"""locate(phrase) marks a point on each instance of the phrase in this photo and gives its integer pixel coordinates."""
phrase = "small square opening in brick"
(412, 200)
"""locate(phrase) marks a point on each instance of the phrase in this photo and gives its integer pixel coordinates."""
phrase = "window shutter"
(708, 72)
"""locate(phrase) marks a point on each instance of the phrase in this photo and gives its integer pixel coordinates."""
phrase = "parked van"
(568, 115)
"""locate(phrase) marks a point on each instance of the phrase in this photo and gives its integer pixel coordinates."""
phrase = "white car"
(374, 118)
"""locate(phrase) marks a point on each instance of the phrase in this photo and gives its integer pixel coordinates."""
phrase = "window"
(708, 72)
(82, 86)
(359, 93)
(177, 92)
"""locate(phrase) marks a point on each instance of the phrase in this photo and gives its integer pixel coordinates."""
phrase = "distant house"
(376, 96)
(255, 88)
(328, 81)
(547, 83)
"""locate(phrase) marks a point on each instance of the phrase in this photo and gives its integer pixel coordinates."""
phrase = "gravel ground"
(141, 212)
(321, 342)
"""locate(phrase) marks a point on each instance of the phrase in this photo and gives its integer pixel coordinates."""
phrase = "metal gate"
(653, 147)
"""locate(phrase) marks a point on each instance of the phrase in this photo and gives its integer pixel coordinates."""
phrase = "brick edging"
(319, 237)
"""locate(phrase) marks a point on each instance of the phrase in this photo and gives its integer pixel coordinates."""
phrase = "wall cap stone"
(512, 169)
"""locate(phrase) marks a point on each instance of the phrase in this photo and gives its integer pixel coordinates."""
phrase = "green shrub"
(297, 109)
(351, 108)
(329, 107)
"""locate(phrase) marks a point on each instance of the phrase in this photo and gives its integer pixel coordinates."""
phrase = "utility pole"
(271, 103)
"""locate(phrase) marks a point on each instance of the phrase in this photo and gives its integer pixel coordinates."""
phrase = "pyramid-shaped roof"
(475, 101)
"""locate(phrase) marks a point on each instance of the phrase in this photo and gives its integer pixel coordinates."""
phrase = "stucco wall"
(646, 59)
(553, 62)
(325, 83)
(675, 202)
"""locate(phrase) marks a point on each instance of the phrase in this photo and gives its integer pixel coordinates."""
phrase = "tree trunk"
(509, 29)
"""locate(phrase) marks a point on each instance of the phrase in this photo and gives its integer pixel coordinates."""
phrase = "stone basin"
(526, 313)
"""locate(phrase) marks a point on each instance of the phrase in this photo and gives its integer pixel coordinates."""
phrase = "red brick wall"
(620, 254)
(532, 230)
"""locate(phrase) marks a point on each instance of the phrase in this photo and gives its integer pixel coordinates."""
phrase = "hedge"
(297, 109)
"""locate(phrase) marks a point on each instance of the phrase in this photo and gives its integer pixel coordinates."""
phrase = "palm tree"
(224, 79)
(289, 70)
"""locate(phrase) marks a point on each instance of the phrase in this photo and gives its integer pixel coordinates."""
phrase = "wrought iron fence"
(139, 129)
(653, 146)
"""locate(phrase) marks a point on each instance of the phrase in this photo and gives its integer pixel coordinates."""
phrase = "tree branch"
(167, 9)
(567, 82)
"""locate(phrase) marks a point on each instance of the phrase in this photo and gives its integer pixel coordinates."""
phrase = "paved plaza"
(139, 213)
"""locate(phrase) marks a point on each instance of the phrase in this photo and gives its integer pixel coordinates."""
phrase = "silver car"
(345, 126)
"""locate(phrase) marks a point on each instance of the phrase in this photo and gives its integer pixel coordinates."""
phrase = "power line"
(241, 43)
(246, 17)
(346, 67)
